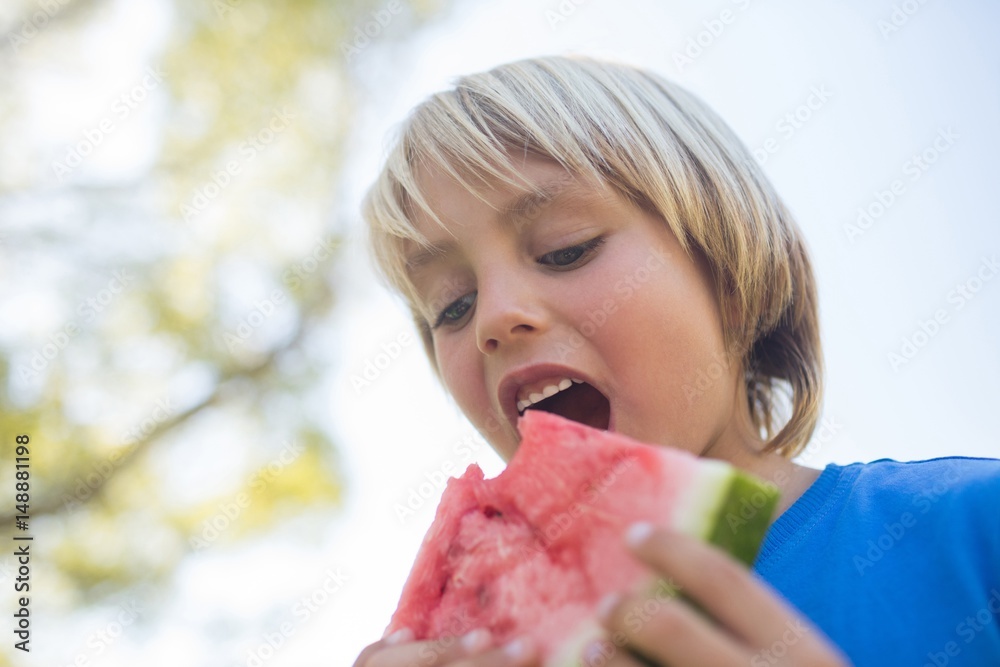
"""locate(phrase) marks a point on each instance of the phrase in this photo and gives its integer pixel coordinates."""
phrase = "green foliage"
(193, 383)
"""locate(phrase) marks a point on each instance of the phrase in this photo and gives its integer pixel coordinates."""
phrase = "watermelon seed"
(491, 512)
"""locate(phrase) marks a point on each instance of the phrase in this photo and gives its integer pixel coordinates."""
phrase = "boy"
(564, 219)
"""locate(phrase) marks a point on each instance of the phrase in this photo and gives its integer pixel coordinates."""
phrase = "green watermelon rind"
(725, 523)
(743, 517)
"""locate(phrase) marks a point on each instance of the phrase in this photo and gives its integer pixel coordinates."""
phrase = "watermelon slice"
(533, 550)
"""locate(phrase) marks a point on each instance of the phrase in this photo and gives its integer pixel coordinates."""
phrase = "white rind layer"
(697, 511)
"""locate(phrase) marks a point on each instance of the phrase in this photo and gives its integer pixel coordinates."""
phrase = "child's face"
(587, 287)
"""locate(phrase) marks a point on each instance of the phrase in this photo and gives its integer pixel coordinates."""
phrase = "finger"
(367, 652)
(521, 652)
(427, 653)
(717, 582)
(608, 654)
(670, 632)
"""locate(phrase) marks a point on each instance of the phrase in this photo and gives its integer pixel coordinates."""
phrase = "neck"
(741, 446)
(791, 479)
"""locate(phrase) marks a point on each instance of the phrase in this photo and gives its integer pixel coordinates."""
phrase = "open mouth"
(581, 402)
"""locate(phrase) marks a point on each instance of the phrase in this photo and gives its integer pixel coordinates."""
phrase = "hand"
(475, 649)
(750, 624)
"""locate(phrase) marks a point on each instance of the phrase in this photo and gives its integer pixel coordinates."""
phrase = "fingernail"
(607, 605)
(638, 533)
(517, 649)
(595, 654)
(399, 636)
(476, 641)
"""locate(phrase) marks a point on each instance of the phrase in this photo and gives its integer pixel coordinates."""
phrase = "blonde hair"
(657, 145)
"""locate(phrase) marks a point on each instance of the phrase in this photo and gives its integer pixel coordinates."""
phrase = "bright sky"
(878, 100)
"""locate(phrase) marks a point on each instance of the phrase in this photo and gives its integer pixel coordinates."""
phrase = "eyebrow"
(517, 212)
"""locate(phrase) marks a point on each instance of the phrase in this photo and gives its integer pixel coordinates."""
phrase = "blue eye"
(455, 310)
(566, 257)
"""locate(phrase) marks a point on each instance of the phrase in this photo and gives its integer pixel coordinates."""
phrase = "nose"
(507, 312)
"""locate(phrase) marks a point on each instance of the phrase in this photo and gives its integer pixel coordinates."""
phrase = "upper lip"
(515, 379)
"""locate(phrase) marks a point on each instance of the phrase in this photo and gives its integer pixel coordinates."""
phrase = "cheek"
(666, 341)
(452, 365)
(461, 369)
(464, 377)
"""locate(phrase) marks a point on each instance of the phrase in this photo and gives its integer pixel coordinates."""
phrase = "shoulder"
(960, 476)
(962, 492)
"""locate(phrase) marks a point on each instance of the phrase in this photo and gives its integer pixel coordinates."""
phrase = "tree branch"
(54, 501)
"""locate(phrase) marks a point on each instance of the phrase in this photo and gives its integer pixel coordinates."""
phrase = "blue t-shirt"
(898, 563)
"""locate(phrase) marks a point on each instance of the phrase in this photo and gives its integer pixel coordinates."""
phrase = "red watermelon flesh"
(533, 550)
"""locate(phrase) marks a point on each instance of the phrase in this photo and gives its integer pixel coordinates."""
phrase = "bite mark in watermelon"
(533, 550)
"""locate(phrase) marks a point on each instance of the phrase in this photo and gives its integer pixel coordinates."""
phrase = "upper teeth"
(550, 387)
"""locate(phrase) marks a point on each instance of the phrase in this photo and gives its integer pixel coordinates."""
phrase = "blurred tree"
(168, 323)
